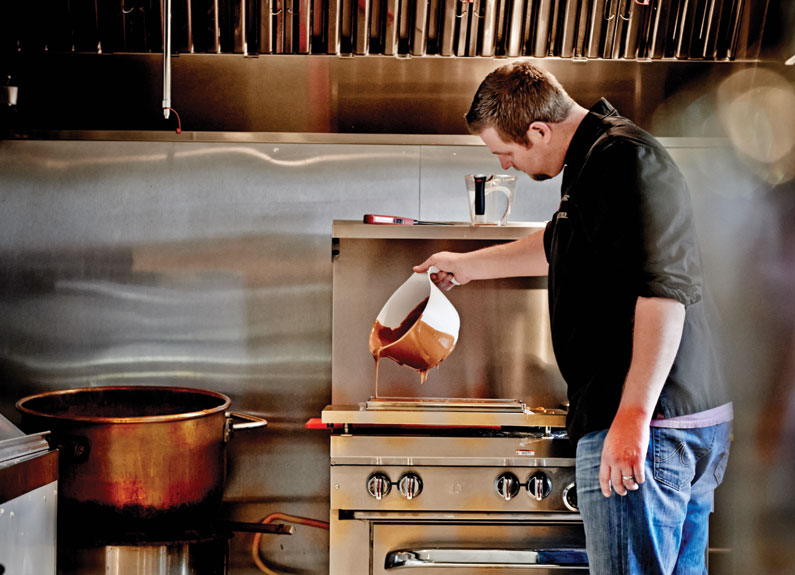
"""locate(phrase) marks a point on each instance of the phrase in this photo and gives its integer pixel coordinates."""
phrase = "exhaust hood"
(372, 66)
(631, 29)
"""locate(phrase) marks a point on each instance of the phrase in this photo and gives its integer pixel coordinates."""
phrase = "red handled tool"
(395, 221)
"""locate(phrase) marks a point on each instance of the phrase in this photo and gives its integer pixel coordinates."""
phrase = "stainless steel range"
(463, 487)
(446, 476)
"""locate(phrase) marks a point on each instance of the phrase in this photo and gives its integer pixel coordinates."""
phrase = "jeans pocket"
(673, 464)
(723, 458)
(720, 468)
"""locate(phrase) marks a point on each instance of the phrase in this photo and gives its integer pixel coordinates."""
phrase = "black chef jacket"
(623, 230)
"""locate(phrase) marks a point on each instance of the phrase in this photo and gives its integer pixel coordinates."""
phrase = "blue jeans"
(662, 528)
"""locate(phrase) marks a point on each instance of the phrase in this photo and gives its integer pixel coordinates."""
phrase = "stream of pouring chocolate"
(419, 345)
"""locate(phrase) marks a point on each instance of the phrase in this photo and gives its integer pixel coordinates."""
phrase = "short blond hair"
(514, 96)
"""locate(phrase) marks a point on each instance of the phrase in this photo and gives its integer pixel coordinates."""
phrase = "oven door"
(458, 544)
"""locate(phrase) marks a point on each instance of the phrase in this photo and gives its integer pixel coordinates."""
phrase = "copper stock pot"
(138, 452)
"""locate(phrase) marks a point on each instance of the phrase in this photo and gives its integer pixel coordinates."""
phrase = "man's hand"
(451, 270)
(624, 454)
(658, 331)
(519, 258)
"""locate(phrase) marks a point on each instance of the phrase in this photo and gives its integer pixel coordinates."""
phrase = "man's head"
(526, 118)
(514, 96)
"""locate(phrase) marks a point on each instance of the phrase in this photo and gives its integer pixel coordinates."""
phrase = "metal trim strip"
(22, 476)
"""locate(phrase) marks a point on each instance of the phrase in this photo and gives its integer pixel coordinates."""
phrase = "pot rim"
(225, 403)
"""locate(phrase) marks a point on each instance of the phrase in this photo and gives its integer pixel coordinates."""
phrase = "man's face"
(533, 160)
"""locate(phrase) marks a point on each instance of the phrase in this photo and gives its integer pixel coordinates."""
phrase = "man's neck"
(568, 127)
(564, 131)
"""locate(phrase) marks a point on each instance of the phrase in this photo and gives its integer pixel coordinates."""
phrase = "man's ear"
(539, 131)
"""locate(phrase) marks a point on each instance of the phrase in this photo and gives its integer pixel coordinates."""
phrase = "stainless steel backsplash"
(210, 265)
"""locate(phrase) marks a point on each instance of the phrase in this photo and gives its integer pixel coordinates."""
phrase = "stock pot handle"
(251, 422)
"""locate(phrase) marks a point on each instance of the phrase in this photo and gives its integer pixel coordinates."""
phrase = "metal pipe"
(167, 59)
(304, 26)
(489, 26)
(463, 12)
(569, 29)
(541, 48)
(266, 27)
(391, 29)
(474, 29)
(361, 40)
(514, 43)
(610, 16)
(582, 29)
(448, 28)
(419, 39)
(595, 29)
(333, 27)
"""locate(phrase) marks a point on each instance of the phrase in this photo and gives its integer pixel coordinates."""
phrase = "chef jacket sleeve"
(661, 219)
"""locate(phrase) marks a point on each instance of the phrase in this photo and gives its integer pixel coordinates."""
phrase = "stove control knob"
(539, 485)
(410, 485)
(570, 497)
(507, 485)
(378, 485)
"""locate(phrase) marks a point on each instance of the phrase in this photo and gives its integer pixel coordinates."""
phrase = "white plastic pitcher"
(420, 338)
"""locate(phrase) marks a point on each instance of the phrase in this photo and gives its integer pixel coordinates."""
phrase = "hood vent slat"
(593, 29)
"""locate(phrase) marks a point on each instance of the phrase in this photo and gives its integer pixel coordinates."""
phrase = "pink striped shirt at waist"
(714, 416)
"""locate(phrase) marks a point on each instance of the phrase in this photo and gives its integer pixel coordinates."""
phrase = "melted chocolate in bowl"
(413, 343)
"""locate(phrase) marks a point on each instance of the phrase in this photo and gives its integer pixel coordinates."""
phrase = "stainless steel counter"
(28, 501)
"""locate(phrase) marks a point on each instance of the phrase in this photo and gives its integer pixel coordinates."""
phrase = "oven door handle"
(483, 558)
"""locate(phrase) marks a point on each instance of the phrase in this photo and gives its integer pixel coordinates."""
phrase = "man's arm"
(658, 332)
(523, 257)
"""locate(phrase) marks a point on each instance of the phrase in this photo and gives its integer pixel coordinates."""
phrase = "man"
(648, 411)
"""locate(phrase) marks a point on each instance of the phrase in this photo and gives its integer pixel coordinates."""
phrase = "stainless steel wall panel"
(208, 264)
(198, 264)
(443, 193)
(227, 93)
(512, 357)
(28, 532)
